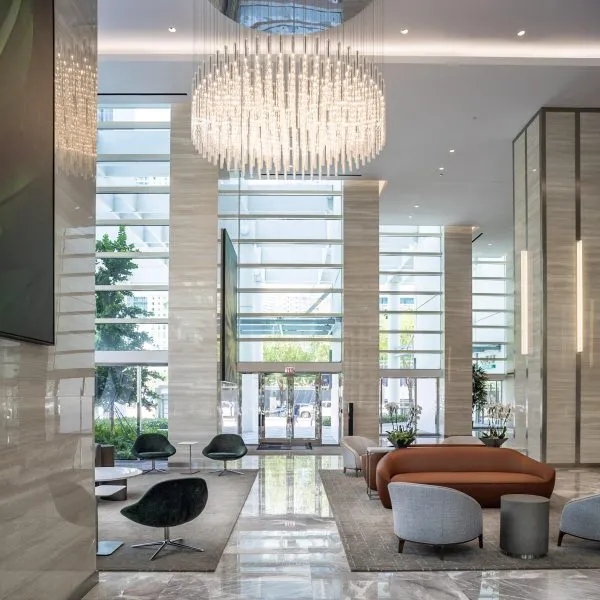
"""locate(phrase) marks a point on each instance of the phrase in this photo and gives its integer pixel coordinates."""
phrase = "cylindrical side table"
(524, 523)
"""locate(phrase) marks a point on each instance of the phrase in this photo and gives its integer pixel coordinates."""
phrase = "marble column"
(458, 330)
(47, 504)
(557, 157)
(192, 292)
(361, 305)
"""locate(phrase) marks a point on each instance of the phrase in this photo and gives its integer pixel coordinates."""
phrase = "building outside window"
(410, 322)
(132, 272)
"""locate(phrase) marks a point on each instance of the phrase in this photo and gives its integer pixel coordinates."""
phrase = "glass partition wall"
(411, 332)
(493, 328)
(132, 272)
(288, 236)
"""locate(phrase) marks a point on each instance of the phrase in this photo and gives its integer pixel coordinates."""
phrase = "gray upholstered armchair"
(169, 504)
(439, 516)
(226, 447)
(580, 519)
(353, 447)
(150, 446)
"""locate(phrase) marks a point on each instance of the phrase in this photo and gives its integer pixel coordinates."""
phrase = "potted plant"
(497, 416)
(480, 391)
(404, 426)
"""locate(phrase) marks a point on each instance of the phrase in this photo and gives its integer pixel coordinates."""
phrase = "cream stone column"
(192, 292)
(361, 305)
(556, 164)
(458, 330)
(47, 505)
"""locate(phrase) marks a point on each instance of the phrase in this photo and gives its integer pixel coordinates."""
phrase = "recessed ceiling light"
(172, 29)
(534, 170)
(452, 150)
(490, 244)
(417, 205)
(404, 31)
(521, 33)
(410, 216)
(441, 168)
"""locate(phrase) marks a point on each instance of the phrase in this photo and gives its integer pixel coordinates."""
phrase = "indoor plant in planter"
(479, 397)
(404, 426)
(497, 416)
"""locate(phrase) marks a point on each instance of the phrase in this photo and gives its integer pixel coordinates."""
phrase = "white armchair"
(580, 518)
(430, 514)
(353, 447)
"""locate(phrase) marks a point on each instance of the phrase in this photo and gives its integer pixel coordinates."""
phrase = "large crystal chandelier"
(288, 106)
(75, 93)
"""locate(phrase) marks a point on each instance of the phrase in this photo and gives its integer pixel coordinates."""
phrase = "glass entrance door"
(299, 408)
(275, 398)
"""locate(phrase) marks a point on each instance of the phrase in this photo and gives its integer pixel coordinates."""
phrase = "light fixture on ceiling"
(417, 205)
(452, 150)
(410, 216)
(172, 29)
(521, 33)
(290, 99)
(490, 244)
(404, 31)
(441, 169)
(75, 95)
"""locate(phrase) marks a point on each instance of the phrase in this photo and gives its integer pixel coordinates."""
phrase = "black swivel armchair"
(150, 446)
(225, 447)
(169, 504)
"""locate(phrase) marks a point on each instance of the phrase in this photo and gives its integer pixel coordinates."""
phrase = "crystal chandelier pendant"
(313, 112)
(75, 91)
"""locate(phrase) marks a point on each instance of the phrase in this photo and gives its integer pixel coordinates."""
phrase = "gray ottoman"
(524, 521)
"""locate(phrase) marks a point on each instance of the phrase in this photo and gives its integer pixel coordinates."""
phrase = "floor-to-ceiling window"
(492, 327)
(132, 272)
(410, 309)
(288, 237)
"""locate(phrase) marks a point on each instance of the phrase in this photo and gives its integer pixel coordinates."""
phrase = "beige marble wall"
(361, 304)
(520, 244)
(47, 507)
(458, 331)
(561, 396)
(535, 403)
(192, 292)
(590, 224)
(560, 293)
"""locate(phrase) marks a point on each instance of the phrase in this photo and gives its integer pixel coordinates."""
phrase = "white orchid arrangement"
(498, 417)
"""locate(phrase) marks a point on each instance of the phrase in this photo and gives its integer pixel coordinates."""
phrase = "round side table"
(524, 523)
(189, 444)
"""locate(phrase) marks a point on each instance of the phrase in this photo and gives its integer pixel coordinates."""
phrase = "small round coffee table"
(524, 523)
(117, 476)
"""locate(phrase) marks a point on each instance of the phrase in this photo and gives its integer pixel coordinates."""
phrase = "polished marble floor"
(286, 547)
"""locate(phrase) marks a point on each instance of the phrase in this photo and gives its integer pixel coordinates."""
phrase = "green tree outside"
(118, 384)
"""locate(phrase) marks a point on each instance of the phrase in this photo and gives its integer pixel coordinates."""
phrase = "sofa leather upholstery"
(483, 473)
(376, 457)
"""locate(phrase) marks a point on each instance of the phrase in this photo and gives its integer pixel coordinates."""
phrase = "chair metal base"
(226, 470)
(167, 541)
(154, 468)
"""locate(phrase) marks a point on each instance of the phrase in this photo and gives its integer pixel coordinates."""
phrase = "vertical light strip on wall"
(524, 303)
(580, 296)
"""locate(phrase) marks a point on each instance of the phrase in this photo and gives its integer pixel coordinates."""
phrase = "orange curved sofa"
(483, 473)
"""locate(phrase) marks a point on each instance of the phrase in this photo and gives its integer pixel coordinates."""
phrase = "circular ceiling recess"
(289, 17)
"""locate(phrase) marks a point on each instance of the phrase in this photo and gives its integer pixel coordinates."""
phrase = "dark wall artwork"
(229, 272)
(27, 170)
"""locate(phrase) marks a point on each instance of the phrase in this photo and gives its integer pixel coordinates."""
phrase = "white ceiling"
(460, 79)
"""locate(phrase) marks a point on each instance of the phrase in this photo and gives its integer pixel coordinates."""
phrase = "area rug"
(210, 531)
(366, 531)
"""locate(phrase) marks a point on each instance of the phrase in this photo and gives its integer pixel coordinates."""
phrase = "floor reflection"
(286, 546)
